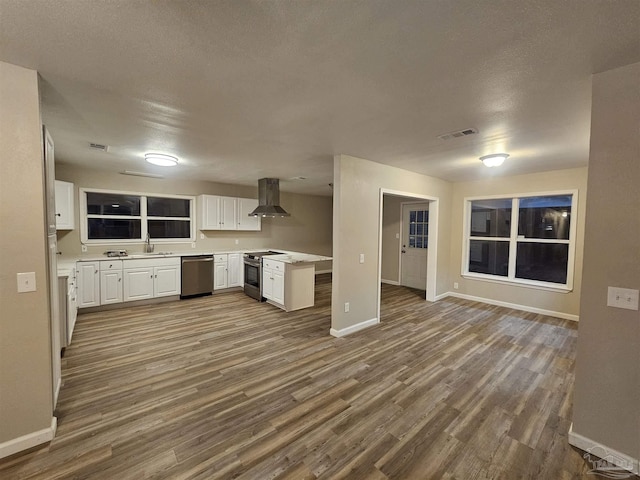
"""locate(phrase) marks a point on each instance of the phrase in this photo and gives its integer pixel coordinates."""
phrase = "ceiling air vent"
(99, 147)
(460, 133)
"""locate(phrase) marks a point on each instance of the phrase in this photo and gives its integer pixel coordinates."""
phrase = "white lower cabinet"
(166, 280)
(138, 283)
(115, 281)
(88, 284)
(289, 286)
(235, 270)
(228, 270)
(110, 282)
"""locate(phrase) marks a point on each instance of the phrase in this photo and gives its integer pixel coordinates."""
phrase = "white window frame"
(513, 240)
(84, 230)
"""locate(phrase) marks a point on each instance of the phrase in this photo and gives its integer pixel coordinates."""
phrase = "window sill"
(519, 283)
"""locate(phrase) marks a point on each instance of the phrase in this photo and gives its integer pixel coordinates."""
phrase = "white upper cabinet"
(245, 207)
(226, 213)
(65, 214)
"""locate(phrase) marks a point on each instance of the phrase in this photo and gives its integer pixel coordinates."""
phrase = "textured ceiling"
(241, 90)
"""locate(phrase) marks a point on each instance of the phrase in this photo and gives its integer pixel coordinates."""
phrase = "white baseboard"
(625, 462)
(441, 296)
(525, 308)
(319, 272)
(29, 440)
(390, 282)
(354, 328)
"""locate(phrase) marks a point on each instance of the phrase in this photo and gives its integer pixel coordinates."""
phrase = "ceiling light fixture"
(494, 160)
(161, 159)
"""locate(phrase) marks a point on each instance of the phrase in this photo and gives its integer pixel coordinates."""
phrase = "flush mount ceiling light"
(494, 160)
(161, 159)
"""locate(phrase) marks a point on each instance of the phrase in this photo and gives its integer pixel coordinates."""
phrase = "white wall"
(565, 304)
(25, 343)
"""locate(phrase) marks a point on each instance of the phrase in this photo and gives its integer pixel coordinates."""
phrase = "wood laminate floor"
(225, 387)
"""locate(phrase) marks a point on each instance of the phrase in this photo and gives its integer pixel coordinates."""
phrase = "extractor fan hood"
(269, 199)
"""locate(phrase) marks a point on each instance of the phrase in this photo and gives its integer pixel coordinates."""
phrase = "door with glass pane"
(415, 240)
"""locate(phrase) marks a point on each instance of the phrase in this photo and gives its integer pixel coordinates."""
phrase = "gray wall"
(563, 303)
(356, 220)
(308, 229)
(25, 343)
(607, 392)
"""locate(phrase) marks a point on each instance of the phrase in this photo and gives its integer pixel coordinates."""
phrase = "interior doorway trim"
(432, 253)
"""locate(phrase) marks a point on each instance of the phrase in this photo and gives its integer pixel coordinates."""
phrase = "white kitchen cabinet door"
(110, 286)
(209, 212)
(245, 222)
(166, 281)
(220, 278)
(235, 270)
(228, 213)
(88, 284)
(267, 283)
(278, 287)
(138, 283)
(65, 214)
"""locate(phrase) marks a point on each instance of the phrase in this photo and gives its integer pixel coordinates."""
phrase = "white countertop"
(65, 265)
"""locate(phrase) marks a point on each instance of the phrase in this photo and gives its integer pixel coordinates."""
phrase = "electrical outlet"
(346, 307)
(237, 241)
(26, 282)
(84, 249)
(362, 258)
(202, 236)
(455, 285)
(193, 245)
(622, 298)
(397, 235)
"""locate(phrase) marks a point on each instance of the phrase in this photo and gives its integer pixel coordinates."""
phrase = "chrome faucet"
(148, 248)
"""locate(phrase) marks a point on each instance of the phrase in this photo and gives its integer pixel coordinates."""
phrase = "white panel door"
(278, 287)
(245, 207)
(235, 270)
(88, 284)
(228, 214)
(220, 276)
(267, 283)
(415, 236)
(65, 218)
(209, 212)
(138, 283)
(166, 281)
(110, 286)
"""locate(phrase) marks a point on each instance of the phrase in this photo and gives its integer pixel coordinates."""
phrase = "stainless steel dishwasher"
(197, 275)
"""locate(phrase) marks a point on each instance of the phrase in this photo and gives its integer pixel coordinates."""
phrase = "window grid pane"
(418, 228)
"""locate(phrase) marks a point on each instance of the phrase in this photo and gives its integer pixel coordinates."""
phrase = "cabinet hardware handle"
(58, 214)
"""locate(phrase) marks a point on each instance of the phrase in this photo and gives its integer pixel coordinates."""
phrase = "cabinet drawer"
(111, 265)
(273, 264)
(151, 262)
(221, 258)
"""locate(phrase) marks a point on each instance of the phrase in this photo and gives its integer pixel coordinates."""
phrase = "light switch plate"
(26, 282)
(626, 298)
(362, 258)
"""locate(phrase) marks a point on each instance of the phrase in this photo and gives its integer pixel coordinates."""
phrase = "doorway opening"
(408, 243)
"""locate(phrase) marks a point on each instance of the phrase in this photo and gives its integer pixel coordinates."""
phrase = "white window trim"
(511, 280)
(84, 234)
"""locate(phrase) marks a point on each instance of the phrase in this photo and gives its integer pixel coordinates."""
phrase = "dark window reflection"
(546, 262)
(489, 256)
(112, 204)
(545, 217)
(167, 207)
(169, 229)
(106, 228)
(491, 218)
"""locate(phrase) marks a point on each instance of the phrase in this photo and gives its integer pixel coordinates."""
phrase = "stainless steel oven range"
(253, 273)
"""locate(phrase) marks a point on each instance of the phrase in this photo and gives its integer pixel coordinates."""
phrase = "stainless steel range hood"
(269, 199)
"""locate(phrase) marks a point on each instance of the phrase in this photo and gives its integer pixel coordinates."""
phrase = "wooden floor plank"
(226, 387)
